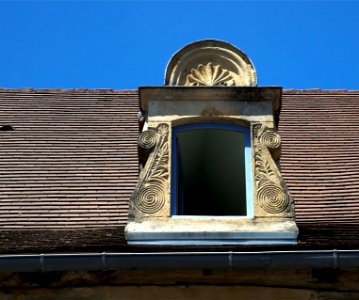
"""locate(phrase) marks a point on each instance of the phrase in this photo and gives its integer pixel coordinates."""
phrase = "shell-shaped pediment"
(210, 63)
(210, 75)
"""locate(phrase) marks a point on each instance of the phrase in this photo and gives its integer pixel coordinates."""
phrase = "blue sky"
(126, 44)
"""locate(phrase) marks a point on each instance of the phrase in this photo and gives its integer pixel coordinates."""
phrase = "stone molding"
(210, 63)
(210, 75)
(210, 81)
(150, 192)
(272, 195)
(150, 220)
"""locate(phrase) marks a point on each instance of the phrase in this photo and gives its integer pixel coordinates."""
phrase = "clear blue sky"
(123, 45)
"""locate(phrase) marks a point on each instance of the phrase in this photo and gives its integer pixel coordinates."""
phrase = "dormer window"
(211, 170)
(209, 152)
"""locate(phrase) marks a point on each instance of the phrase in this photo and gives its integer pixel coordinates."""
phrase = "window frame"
(245, 130)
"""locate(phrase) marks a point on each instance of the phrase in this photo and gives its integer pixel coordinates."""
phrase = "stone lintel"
(215, 93)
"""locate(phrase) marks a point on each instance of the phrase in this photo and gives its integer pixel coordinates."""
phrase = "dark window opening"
(210, 171)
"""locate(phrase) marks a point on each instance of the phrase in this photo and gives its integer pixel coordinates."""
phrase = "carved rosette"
(150, 194)
(210, 75)
(272, 194)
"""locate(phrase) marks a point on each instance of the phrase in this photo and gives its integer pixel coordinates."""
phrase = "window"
(215, 181)
(211, 170)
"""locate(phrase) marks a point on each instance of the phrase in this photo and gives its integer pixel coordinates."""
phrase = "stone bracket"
(150, 193)
(272, 195)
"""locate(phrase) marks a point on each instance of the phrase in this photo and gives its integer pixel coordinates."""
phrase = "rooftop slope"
(320, 154)
(71, 160)
(320, 163)
(70, 165)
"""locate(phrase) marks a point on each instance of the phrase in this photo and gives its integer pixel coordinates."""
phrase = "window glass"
(210, 170)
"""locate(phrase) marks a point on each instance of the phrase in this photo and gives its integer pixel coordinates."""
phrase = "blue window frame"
(211, 170)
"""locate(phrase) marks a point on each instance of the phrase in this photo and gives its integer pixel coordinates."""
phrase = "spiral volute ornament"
(271, 139)
(148, 139)
(150, 198)
(272, 198)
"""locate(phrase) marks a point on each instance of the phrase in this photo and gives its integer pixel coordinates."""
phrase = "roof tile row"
(71, 159)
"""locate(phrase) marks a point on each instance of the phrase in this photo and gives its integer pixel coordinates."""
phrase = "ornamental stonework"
(210, 75)
(272, 194)
(150, 194)
(210, 81)
(210, 63)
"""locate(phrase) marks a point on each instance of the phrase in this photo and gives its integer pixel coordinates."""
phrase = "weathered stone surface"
(338, 280)
(151, 194)
(150, 218)
(205, 77)
(210, 63)
(175, 292)
(183, 284)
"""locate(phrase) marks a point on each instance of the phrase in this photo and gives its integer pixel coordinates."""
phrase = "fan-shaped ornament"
(210, 75)
(210, 63)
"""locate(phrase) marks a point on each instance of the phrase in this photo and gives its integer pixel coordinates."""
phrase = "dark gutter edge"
(180, 260)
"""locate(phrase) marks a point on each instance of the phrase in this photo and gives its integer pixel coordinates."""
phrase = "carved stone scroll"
(272, 194)
(210, 75)
(149, 196)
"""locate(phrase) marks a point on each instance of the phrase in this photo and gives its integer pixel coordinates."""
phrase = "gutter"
(180, 260)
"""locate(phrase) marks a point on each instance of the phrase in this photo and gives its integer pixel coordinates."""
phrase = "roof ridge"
(130, 91)
(320, 91)
(67, 91)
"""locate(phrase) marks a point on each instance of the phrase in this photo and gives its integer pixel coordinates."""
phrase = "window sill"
(211, 231)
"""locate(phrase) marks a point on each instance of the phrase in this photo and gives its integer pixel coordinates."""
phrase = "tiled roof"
(71, 160)
(320, 163)
(320, 154)
(70, 165)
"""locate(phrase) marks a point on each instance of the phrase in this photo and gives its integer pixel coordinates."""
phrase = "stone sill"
(211, 232)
